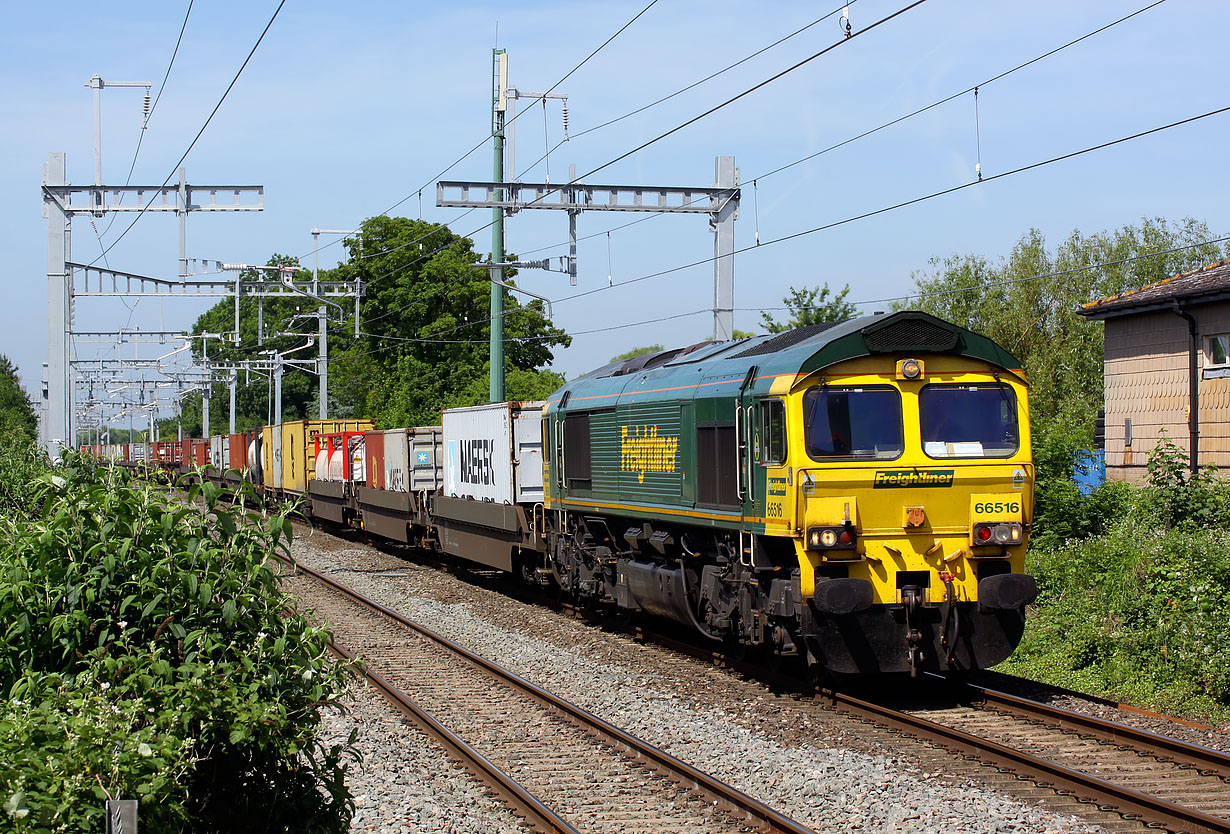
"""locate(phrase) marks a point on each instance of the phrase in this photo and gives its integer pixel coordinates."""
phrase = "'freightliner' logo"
(915, 478)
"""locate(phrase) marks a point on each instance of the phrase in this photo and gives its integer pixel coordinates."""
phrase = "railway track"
(1159, 781)
(562, 768)
(1125, 779)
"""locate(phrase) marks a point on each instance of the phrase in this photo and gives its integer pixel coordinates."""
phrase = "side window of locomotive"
(968, 421)
(853, 423)
(772, 432)
(578, 455)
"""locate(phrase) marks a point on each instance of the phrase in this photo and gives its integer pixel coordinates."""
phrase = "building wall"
(1146, 378)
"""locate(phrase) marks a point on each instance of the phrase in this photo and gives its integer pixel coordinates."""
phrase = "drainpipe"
(1193, 422)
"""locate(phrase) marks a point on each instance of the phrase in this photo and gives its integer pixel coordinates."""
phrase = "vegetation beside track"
(1135, 590)
(146, 653)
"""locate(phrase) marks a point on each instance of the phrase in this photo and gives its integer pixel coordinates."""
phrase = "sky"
(347, 109)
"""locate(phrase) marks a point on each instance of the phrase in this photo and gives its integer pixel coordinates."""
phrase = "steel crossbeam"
(97, 281)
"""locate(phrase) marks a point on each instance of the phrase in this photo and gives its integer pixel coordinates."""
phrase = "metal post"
(724, 252)
(183, 225)
(233, 383)
(58, 419)
(277, 385)
(322, 364)
(96, 84)
(499, 106)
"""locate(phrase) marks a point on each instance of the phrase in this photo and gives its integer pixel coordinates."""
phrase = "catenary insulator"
(565, 120)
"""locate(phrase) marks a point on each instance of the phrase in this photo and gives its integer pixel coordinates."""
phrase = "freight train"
(856, 496)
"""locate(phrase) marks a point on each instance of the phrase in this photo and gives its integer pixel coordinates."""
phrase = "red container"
(374, 458)
(238, 451)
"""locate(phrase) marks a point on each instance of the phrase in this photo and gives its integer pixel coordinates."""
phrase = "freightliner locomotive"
(856, 496)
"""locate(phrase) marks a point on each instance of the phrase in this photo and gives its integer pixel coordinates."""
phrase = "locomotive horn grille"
(910, 335)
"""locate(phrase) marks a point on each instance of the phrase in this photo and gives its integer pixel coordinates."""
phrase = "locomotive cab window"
(853, 423)
(969, 421)
(772, 432)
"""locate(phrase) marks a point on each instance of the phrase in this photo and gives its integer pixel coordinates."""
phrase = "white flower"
(145, 750)
(122, 624)
(105, 686)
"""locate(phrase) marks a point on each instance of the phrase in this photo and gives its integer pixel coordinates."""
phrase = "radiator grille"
(910, 335)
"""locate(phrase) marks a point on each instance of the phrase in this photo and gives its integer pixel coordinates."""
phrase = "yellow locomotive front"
(910, 488)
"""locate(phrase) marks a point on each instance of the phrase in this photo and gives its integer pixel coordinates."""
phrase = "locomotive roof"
(810, 348)
(666, 374)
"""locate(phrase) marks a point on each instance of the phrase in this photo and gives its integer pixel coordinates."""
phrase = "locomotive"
(854, 496)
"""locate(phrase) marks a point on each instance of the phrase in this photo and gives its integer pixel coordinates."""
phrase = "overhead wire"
(891, 122)
(516, 116)
(896, 206)
(693, 120)
(696, 84)
(199, 133)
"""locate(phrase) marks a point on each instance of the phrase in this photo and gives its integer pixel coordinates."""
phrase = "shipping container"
(413, 459)
(293, 462)
(216, 459)
(339, 457)
(373, 458)
(494, 452)
(271, 456)
(237, 451)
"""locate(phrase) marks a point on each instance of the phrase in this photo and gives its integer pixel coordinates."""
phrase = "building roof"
(1200, 286)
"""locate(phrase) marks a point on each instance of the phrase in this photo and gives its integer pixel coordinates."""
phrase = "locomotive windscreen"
(968, 421)
(853, 423)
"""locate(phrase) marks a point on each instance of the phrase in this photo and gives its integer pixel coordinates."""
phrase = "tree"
(1028, 303)
(637, 351)
(812, 305)
(17, 417)
(423, 342)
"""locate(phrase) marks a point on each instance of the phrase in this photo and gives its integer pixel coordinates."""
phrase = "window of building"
(1217, 352)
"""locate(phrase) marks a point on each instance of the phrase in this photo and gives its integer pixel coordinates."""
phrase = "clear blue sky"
(346, 109)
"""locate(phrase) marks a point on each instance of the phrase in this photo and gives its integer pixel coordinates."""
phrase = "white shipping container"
(494, 452)
(396, 461)
(427, 455)
(224, 462)
(274, 478)
(215, 451)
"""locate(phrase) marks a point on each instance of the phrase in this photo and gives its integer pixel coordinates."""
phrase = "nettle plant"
(148, 653)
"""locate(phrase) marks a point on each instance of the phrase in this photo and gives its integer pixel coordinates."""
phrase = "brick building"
(1167, 356)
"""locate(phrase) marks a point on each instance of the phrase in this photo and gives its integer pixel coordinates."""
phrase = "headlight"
(830, 538)
(1001, 533)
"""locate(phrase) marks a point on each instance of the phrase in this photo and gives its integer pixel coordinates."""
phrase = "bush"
(1134, 589)
(148, 653)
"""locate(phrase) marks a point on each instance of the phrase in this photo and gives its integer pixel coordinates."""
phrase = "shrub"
(148, 652)
(1134, 589)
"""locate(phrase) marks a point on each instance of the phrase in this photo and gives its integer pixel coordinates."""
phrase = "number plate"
(1003, 506)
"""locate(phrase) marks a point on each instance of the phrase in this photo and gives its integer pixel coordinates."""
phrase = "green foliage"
(17, 418)
(637, 351)
(812, 305)
(1134, 590)
(1028, 303)
(741, 334)
(20, 463)
(424, 343)
(148, 653)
